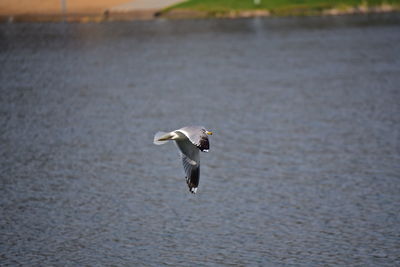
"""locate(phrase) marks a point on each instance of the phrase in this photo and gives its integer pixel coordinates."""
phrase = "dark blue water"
(304, 165)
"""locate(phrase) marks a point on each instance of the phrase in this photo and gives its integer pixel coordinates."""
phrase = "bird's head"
(207, 132)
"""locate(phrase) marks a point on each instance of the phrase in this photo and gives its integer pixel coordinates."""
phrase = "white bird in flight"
(190, 140)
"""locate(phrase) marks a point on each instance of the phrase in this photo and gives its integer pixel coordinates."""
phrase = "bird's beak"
(209, 133)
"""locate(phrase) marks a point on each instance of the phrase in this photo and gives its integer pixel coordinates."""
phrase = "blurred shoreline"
(116, 10)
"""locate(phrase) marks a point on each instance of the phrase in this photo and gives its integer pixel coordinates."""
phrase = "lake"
(304, 163)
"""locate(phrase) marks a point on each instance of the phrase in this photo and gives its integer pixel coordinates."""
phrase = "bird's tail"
(161, 135)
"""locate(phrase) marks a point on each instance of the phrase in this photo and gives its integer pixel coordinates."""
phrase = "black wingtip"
(203, 144)
(193, 190)
(192, 186)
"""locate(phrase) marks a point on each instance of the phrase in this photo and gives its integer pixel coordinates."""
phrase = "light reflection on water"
(303, 167)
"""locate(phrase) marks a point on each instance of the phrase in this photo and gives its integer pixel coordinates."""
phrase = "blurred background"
(304, 162)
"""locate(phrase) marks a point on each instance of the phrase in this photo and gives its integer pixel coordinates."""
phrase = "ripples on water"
(304, 163)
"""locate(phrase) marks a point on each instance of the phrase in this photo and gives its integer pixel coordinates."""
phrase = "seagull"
(190, 140)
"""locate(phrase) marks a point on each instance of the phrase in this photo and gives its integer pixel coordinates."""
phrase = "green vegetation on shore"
(215, 8)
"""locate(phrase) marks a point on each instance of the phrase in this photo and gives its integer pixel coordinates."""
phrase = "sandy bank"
(80, 10)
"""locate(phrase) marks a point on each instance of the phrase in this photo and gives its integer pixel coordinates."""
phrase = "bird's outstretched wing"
(191, 162)
(192, 171)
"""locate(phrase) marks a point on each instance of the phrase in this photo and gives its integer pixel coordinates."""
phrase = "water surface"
(304, 165)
